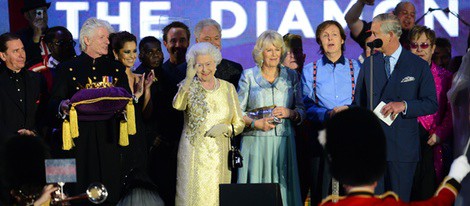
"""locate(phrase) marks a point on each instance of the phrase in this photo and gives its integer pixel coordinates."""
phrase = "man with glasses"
(61, 44)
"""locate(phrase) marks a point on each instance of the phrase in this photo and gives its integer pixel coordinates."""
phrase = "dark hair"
(359, 159)
(117, 41)
(146, 40)
(417, 30)
(292, 41)
(6, 37)
(25, 157)
(323, 26)
(444, 42)
(50, 33)
(175, 24)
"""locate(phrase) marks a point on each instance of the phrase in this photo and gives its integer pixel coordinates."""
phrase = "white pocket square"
(407, 79)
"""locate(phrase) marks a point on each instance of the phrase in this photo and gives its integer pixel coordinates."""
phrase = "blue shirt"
(334, 86)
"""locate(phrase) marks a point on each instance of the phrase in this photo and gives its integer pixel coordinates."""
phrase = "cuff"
(451, 184)
(406, 107)
(59, 113)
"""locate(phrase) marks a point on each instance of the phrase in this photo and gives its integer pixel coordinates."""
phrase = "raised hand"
(149, 80)
(139, 85)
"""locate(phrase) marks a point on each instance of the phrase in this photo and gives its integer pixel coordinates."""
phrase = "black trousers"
(424, 183)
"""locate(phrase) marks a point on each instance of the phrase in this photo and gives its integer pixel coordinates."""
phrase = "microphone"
(446, 10)
(375, 44)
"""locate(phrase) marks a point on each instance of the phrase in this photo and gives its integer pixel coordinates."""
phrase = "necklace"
(270, 77)
(214, 87)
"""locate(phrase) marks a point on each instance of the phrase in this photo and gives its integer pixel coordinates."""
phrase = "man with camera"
(35, 12)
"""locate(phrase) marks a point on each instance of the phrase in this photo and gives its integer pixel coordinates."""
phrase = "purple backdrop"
(243, 21)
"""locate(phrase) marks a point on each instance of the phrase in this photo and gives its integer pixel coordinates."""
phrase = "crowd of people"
(164, 136)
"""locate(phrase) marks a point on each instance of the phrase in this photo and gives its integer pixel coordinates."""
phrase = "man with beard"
(176, 40)
(168, 121)
(405, 11)
(60, 42)
(35, 12)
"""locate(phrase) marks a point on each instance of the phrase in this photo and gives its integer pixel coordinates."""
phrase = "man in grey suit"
(404, 82)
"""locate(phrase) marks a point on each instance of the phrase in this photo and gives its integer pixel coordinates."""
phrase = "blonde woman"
(268, 146)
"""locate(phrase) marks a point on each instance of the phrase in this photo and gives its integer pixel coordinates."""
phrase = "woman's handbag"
(235, 159)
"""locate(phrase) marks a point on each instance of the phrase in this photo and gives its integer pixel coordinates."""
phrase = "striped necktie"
(387, 66)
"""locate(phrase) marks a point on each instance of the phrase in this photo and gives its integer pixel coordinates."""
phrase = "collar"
(362, 193)
(341, 60)
(88, 59)
(397, 53)
(11, 73)
(264, 83)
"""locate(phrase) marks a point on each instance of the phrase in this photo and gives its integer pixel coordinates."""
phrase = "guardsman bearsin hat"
(355, 143)
(34, 4)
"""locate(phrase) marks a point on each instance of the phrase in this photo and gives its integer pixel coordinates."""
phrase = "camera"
(39, 13)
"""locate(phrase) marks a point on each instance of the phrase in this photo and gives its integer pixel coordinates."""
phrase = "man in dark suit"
(404, 82)
(20, 99)
(99, 157)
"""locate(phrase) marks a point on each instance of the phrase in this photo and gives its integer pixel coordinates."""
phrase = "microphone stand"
(446, 10)
(458, 17)
(371, 80)
(419, 19)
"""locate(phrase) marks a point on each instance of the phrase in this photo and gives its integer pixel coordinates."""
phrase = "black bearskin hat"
(355, 143)
(25, 161)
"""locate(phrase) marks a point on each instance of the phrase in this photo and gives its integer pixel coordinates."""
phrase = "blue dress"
(269, 157)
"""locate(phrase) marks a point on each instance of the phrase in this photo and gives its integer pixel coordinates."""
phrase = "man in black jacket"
(20, 98)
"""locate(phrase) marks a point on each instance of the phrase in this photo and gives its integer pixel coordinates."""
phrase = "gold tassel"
(131, 118)
(123, 134)
(73, 122)
(67, 142)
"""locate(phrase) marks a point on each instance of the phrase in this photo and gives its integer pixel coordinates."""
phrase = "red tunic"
(445, 195)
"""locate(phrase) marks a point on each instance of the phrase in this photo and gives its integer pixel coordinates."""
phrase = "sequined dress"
(202, 161)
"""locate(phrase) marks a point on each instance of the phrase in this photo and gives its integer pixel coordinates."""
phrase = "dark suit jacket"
(13, 117)
(411, 81)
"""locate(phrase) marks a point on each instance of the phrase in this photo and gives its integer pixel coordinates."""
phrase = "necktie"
(387, 66)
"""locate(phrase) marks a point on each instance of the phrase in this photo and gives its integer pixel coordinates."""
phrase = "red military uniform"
(44, 68)
(445, 195)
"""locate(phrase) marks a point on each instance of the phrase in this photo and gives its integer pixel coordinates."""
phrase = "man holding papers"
(405, 84)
